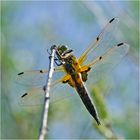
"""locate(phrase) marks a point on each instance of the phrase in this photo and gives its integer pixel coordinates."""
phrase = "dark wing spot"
(65, 81)
(100, 57)
(24, 95)
(89, 69)
(20, 73)
(97, 38)
(41, 71)
(120, 44)
(111, 20)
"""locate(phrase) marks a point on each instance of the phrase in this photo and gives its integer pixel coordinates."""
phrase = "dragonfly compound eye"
(62, 49)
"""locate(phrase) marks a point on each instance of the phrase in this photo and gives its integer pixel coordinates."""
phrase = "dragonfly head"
(63, 51)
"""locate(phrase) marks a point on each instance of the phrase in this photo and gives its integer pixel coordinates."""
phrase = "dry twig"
(44, 125)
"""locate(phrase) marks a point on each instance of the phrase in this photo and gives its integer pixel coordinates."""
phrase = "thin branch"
(44, 125)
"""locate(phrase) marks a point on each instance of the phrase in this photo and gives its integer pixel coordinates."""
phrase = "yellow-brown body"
(75, 77)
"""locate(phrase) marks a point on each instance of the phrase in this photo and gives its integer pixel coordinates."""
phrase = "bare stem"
(44, 125)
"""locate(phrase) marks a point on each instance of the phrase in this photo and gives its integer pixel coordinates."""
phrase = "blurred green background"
(29, 28)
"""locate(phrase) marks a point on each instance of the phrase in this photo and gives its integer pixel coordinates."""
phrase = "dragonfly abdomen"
(80, 88)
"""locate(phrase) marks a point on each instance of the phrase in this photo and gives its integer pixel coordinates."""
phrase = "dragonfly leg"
(48, 52)
(57, 62)
(84, 76)
(84, 72)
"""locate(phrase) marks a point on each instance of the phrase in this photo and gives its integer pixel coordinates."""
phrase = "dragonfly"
(100, 57)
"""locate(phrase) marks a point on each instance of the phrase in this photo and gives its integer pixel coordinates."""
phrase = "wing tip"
(124, 44)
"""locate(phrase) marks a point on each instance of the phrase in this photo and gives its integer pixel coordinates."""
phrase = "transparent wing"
(32, 97)
(35, 96)
(105, 62)
(36, 77)
(101, 44)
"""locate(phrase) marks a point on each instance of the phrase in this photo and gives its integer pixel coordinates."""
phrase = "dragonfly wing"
(101, 43)
(36, 77)
(105, 62)
(35, 96)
